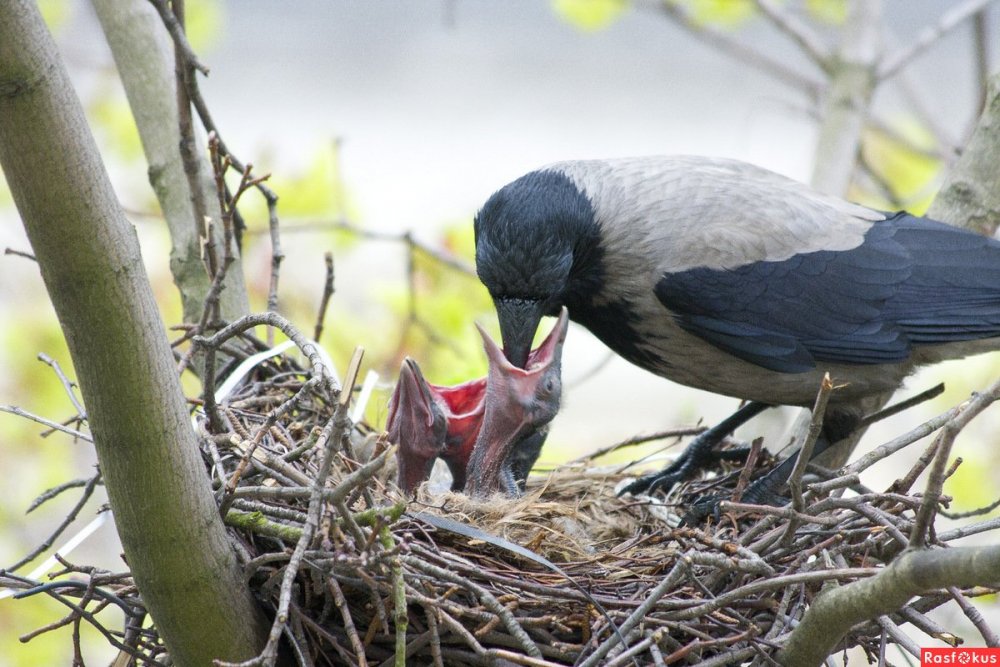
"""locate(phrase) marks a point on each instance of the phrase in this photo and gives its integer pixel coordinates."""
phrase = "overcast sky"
(439, 103)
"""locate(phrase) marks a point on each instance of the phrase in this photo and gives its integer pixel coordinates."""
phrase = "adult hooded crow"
(730, 278)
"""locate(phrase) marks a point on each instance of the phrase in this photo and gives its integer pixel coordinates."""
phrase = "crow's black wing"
(912, 281)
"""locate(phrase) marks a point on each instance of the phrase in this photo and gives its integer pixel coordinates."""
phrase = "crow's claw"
(698, 454)
(733, 455)
(689, 462)
(664, 479)
(758, 493)
(765, 490)
(702, 508)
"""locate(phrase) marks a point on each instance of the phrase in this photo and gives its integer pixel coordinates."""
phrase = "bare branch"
(88, 491)
(740, 52)
(839, 608)
(176, 30)
(19, 253)
(67, 384)
(937, 477)
(324, 301)
(55, 426)
(929, 36)
(797, 31)
(806, 449)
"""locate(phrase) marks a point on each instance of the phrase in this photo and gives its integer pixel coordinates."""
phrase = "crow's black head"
(534, 239)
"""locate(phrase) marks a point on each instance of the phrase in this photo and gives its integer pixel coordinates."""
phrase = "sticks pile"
(353, 574)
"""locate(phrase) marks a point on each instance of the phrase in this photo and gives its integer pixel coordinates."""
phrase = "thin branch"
(408, 239)
(67, 384)
(88, 491)
(740, 52)
(19, 253)
(975, 617)
(638, 440)
(929, 36)
(900, 442)
(324, 302)
(800, 33)
(808, 444)
(53, 492)
(55, 426)
(938, 473)
(751, 464)
(176, 31)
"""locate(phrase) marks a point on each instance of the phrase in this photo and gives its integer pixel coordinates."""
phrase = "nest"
(569, 574)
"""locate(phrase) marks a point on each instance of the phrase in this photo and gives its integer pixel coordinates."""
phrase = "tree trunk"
(87, 252)
(970, 196)
(848, 98)
(144, 56)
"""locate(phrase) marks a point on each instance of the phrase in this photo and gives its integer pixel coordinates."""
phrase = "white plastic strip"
(64, 551)
(253, 361)
(246, 366)
(371, 379)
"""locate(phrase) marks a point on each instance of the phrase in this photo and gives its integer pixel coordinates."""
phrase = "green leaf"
(589, 15)
(903, 160)
(316, 191)
(203, 22)
(722, 13)
(833, 12)
(56, 14)
(113, 122)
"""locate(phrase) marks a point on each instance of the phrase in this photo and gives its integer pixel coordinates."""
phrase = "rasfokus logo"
(959, 656)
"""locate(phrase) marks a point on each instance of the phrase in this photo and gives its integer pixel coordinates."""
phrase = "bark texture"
(89, 258)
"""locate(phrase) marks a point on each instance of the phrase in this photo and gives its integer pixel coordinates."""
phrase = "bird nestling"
(430, 421)
(416, 422)
(489, 431)
(519, 403)
(730, 278)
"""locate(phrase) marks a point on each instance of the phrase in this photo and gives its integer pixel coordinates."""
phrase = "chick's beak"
(518, 404)
(417, 424)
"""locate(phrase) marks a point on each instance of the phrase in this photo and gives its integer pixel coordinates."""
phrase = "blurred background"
(385, 119)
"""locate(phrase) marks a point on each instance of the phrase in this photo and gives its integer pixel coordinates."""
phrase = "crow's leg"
(699, 453)
(838, 425)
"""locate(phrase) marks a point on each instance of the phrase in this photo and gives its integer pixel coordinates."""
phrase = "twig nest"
(567, 574)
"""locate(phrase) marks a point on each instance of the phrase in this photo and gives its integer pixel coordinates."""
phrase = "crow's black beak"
(519, 320)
